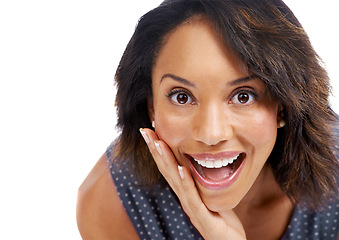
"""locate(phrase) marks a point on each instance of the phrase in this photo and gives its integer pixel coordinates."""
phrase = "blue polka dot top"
(156, 213)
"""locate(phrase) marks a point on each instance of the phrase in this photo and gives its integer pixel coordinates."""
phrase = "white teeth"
(209, 164)
(216, 163)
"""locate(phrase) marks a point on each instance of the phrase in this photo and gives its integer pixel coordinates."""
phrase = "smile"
(216, 171)
(216, 163)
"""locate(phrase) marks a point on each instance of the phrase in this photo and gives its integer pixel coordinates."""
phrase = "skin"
(100, 213)
(212, 120)
(213, 123)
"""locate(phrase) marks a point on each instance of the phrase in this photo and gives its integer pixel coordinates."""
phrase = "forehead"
(195, 45)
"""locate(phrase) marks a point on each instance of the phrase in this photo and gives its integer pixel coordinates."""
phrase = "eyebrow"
(242, 80)
(188, 83)
(178, 79)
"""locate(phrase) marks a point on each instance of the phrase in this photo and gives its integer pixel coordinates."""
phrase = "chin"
(219, 202)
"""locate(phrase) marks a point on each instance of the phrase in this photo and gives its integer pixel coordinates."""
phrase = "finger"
(163, 157)
(167, 163)
(181, 183)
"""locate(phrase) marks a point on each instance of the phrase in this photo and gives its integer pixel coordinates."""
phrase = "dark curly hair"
(271, 42)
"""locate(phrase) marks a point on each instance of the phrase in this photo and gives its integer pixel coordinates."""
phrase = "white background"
(57, 64)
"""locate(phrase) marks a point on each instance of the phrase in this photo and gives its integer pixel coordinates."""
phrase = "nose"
(213, 125)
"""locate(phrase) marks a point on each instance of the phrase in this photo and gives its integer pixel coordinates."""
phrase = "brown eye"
(243, 98)
(181, 98)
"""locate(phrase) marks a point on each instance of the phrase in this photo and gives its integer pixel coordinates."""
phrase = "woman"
(226, 130)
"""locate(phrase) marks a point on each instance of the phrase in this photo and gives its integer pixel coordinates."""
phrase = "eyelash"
(246, 90)
(176, 91)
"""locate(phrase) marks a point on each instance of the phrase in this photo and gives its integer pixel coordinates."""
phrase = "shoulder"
(100, 213)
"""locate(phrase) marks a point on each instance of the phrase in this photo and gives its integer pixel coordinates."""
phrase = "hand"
(211, 225)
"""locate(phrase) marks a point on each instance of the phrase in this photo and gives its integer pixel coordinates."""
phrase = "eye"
(180, 97)
(243, 97)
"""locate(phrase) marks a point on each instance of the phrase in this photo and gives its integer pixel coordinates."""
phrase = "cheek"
(171, 128)
(263, 129)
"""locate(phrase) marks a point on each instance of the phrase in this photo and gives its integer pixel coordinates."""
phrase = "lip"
(216, 185)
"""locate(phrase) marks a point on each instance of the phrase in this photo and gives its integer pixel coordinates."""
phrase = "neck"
(264, 190)
(263, 205)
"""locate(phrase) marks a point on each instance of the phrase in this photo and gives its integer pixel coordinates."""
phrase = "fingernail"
(157, 146)
(144, 135)
(181, 172)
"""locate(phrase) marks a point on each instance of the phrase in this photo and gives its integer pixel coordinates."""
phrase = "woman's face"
(210, 112)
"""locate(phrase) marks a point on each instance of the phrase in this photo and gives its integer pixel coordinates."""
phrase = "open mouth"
(217, 173)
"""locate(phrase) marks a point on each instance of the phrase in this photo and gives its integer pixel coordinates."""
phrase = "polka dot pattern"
(314, 225)
(156, 213)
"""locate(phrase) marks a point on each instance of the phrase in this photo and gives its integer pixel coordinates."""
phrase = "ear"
(150, 109)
